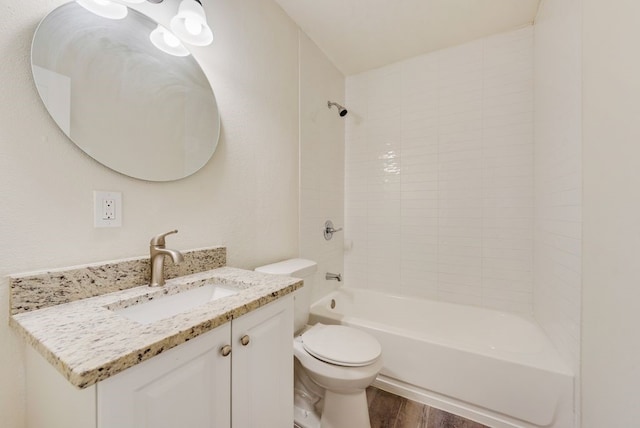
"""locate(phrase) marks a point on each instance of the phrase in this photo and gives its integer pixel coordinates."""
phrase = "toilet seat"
(341, 345)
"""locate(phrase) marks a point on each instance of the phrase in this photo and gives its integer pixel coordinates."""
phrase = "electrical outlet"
(107, 209)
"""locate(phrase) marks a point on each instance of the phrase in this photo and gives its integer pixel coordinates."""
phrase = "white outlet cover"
(100, 219)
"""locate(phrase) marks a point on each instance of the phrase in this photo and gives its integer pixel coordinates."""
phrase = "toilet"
(334, 364)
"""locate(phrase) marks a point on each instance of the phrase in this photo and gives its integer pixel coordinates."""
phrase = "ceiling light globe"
(193, 26)
(105, 8)
(167, 42)
(184, 25)
(170, 39)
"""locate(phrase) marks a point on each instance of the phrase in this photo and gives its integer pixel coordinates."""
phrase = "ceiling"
(359, 35)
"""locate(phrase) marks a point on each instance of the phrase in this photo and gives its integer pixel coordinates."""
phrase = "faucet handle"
(159, 239)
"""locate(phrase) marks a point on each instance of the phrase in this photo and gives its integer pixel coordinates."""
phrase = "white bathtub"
(494, 367)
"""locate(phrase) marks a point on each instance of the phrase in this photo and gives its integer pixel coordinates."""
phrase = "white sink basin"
(169, 305)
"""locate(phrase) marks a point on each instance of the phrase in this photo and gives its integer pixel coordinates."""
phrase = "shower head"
(341, 110)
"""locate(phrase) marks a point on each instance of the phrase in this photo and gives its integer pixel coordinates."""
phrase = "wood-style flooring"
(387, 410)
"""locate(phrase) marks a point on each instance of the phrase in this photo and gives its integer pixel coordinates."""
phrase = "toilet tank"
(297, 268)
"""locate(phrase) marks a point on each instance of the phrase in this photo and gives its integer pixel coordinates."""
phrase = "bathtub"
(496, 368)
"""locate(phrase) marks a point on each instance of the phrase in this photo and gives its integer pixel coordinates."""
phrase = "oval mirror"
(128, 105)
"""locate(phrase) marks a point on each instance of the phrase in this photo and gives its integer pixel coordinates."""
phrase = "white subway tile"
(459, 126)
(507, 264)
(447, 249)
(515, 201)
(355, 274)
(459, 232)
(464, 241)
(497, 213)
(475, 212)
(461, 193)
(456, 281)
(448, 263)
(463, 183)
(521, 95)
(419, 258)
(457, 175)
(440, 176)
(470, 223)
(508, 243)
(512, 296)
(420, 194)
(428, 224)
(507, 223)
(499, 273)
(504, 232)
(460, 203)
(418, 186)
(523, 255)
(419, 285)
(420, 230)
(514, 284)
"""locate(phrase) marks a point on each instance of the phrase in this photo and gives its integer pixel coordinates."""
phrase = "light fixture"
(190, 24)
(167, 42)
(105, 8)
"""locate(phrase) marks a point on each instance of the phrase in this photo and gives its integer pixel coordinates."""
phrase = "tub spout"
(333, 277)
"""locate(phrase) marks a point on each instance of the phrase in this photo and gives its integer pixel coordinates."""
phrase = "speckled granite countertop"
(87, 342)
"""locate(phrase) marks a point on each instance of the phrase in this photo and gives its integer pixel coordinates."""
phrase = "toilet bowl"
(334, 364)
(344, 361)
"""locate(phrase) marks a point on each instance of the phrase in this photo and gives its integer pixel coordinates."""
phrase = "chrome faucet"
(158, 251)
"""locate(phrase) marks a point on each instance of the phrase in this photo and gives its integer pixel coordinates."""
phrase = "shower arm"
(341, 110)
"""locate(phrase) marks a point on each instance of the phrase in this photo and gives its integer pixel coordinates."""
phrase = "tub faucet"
(333, 276)
(158, 251)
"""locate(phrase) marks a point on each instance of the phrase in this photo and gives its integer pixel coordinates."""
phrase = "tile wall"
(439, 175)
(558, 177)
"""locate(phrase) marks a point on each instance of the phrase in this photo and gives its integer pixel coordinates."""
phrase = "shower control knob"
(329, 230)
(225, 350)
(245, 340)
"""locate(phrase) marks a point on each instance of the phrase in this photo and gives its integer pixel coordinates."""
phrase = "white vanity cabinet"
(192, 385)
(186, 386)
(262, 369)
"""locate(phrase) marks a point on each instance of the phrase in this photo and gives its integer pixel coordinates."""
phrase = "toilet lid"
(341, 345)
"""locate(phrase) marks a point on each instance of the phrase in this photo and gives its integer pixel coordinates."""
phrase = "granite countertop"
(87, 342)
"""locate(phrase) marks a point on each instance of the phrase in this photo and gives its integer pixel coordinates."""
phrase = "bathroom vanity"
(225, 362)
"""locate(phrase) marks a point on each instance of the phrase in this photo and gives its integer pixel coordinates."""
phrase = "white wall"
(611, 223)
(321, 163)
(439, 175)
(558, 176)
(246, 197)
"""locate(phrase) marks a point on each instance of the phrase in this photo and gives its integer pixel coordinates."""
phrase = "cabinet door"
(262, 371)
(186, 386)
